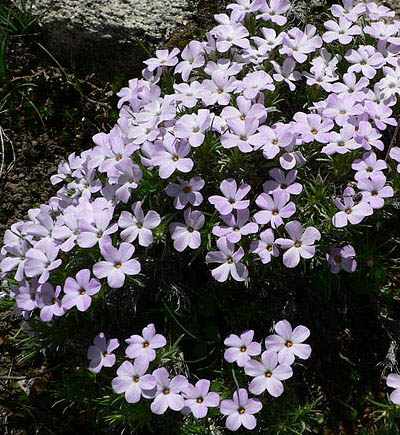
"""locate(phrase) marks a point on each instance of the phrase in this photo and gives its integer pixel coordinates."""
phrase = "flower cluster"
(136, 380)
(183, 127)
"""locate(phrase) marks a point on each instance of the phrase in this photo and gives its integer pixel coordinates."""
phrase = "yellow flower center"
(175, 158)
(288, 344)
(199, 400)
(275, 213)
(297, 244)
(166, 391)
(136, 379)
(140, 225)
(314, 132)
(241, 410)
(268, 374)
(243, 349)
(349, 211)
(196, 130)
(187, 190)
(275, 142)
(146, 344)
(270, 248)
(82, 292)
(230, 260)
(118, 266)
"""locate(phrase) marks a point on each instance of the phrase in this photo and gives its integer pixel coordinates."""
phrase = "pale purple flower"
(368, 136)
(274, 10)
(118, 263)
(286, 72)
(218, 89)
(288, 343)
(67, 232)
(245, 109)
(50, 302)
(380, 114)
(241, 349)
(187, 234)
(41, 260)
(365, 60)
(138, 225)
(230, 262)
(273, 139)
(42, 227)
(368, 166)
(300, 244)
(188, 93)
(192, 56)
(132, 379)
(242, 134)
(100, 354)
(351, 86)
(233, 197)
(198, 398)
(240, 410)
(342, 258)
(144, 132)
(319, 75)
(290, 159)
(389, 85)
(229, 35)
(377, 12)
(265, 247)
(275, 208)
(27, 294)
(340, 108)
(255, 82)
(312, 127)
(342, 32)
(94, 233)
(193, 127)
(157, 110)
(236, 226)
(395, 155)
(393, 381)
(282, 182)
(170, 155)
(348, 10)
(78, 290)
(163, 58)
(186, 192)
(342, 142)
(350, 211)
(128, 177)
(143, 346)
(299, 44)
(15, 258)
(268, 374)
(374, 191)
(168, 393)
(382, 31)
(269, 41)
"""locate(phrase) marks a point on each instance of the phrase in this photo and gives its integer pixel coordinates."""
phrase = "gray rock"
(104, 34)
